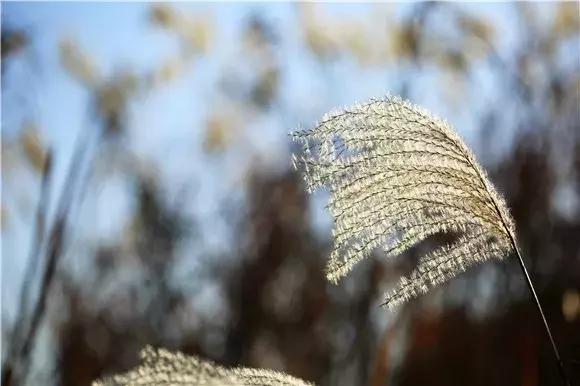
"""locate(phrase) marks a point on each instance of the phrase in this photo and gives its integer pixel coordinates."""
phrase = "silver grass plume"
(162, 367)
(398, 174)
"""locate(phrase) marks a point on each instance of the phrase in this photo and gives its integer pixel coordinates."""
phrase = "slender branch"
(54, 251)
(37, 240)
(31, 266)
(561, 368)
(56, 243)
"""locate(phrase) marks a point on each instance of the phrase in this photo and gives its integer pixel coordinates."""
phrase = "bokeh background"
(148, 197)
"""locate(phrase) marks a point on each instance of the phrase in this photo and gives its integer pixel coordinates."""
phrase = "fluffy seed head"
(162, 367)
(397, 175)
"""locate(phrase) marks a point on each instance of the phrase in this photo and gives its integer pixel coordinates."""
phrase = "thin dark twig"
(561, 368)
(37, 240)
(56, 242)
(54, 249)
(531, 288)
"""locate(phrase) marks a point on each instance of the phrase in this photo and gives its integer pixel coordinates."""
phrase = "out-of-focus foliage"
(209, 244)
(33, 148)
(195, 32)
(78, 63)
(13, 41)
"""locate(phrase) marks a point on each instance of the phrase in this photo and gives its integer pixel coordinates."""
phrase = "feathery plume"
(162, 367)
(397, 175)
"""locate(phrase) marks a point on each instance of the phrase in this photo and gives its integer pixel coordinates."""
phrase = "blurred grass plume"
(164, 367)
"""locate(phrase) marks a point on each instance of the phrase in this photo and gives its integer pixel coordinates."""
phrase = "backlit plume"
(397, 175)
(162, 367)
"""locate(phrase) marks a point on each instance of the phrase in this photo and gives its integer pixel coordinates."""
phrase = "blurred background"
(148, 198)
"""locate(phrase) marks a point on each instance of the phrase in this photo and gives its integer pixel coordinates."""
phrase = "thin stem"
(528, 279)
(38, 237)
(56, 237)
(546, 325)
(55, 245)
(31, 268)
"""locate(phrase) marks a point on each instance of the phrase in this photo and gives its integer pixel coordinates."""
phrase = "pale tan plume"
(162, 367)
(396, 176)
